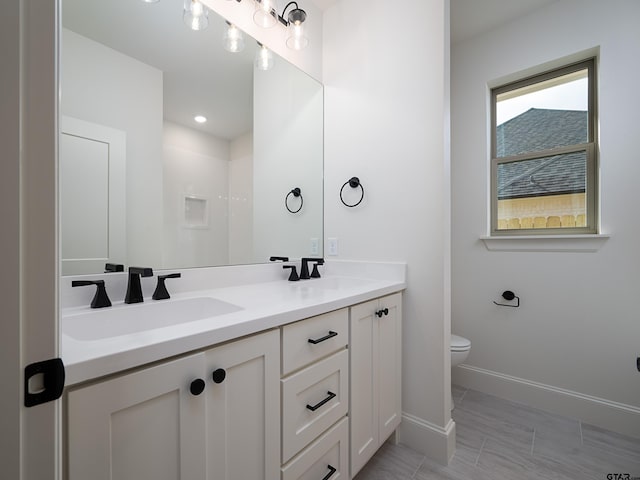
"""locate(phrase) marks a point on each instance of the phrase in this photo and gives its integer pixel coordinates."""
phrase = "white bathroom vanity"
(264, 379)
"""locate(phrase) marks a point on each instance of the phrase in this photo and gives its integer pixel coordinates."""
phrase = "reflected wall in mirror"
(141, 182)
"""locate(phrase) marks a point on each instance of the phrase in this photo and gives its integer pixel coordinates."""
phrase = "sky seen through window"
(567, 96)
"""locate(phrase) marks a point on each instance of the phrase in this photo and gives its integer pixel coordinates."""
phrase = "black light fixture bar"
(281, 18)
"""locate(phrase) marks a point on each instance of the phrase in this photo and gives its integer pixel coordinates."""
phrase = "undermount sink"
(129, 319)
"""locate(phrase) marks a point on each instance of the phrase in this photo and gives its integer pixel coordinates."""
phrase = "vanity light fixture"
(265, 15)
(200, 118)
(195, 15)
(233, 39)
(296, 37)
(264, 58)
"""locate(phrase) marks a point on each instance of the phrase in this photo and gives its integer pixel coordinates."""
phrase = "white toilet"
(460, 348)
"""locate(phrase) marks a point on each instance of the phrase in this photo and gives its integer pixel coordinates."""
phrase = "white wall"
(287, 141)
(197, 164)
(385, 111)
(572, 345)
(241, 199)
(103, 86)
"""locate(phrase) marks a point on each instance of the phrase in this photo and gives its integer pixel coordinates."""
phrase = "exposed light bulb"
(263, 15)
(196, 15)
(196, 8)
(267, 5)
(264, 58)
(296, 37)
(233, 39)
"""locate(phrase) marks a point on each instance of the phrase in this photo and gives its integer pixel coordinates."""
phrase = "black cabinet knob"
(219, 375)
(384, 311)
(197, 386)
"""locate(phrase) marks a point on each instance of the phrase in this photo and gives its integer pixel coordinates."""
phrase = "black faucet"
(134, 289)
(304, 268)
(161, 292)
(100, 299)
(293, 276)
(315, 273)
(113, 267)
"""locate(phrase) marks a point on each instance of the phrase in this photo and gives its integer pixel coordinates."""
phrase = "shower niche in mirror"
(141, 181)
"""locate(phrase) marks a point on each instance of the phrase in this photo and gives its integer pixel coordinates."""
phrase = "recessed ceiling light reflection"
(200, 119)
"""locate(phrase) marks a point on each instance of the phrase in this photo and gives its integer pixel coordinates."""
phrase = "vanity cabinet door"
(146, 424)
(213, 415)
(375, 355)
(389, 365)
(243, 409)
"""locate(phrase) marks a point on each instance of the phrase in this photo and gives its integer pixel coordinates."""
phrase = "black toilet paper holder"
(509, 296)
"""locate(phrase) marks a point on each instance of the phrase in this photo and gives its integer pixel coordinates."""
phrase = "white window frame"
(590, 148)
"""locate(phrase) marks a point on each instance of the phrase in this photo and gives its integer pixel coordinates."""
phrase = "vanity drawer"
(327, 455)
(306, 341)
(313, 399)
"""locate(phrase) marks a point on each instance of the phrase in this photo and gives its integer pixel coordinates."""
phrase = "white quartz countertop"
(263, 305)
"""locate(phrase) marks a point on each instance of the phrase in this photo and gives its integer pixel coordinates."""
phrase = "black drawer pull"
(326, 337)
(313, 408)
(332, 470)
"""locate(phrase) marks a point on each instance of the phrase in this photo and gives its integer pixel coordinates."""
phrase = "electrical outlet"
(333, 246)
(315, 247)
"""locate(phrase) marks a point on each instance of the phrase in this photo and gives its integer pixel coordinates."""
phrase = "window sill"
(546, 243)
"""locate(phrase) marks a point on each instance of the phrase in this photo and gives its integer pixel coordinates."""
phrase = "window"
(543, 149)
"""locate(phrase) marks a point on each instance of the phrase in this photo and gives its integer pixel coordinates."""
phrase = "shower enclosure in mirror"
(142, 182)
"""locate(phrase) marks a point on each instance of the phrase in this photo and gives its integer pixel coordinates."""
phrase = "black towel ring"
(296, 193)
(353, 182)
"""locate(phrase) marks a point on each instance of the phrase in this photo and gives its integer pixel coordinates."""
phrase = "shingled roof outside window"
(537, 130)
(543, 153)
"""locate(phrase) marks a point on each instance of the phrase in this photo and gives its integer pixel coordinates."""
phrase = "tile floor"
(501, 440)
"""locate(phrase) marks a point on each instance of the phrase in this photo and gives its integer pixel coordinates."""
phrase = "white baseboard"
(431, 440)
(614, 416)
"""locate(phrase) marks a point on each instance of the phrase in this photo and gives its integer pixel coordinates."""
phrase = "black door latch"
(53, 375)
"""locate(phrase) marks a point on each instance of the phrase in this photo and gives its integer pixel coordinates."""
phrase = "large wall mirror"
(142, 183)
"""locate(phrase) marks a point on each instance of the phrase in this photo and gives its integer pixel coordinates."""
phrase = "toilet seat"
(459, 344)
